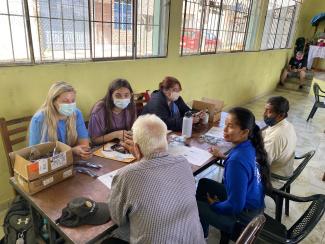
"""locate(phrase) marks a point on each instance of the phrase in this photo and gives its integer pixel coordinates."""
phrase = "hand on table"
(83, 151)
(216, 152)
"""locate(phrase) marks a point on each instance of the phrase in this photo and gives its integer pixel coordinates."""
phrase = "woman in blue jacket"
(246, 178)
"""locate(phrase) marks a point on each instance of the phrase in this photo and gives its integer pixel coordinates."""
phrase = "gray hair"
(150, 133)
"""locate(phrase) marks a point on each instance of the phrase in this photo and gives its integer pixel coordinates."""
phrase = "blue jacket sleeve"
(81, 127)
(236, 185)
(35, 130)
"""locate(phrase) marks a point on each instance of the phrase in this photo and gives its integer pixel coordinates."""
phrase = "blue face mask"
(67, 109)
(270, 121)
(121, 103)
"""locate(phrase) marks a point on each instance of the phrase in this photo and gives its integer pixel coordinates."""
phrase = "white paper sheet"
(107, 179)
(216, 132)
(193, 155)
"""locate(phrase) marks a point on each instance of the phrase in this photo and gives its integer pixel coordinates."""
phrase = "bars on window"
(14, 41)
(211, 26)
(152, 28)
(281, 16)
(60, 30)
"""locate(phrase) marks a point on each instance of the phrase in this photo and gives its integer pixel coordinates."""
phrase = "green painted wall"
(310, 8)
(236, 78)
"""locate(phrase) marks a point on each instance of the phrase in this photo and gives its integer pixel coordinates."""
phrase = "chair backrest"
(13, 132)
(306, 223)
(252, 230)
(316, 89)
(302, 165)
(140, 100)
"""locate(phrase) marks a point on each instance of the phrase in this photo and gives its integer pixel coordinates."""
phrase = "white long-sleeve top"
(280, 143)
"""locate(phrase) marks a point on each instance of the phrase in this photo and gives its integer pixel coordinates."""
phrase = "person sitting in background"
(153, 200)
(296, 68)
(168, 105)
(280, 137)
(112, 116)
(246, 178)
(59, 119)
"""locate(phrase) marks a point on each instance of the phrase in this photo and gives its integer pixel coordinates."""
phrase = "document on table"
(216, 132)
(107, 179)
(193, 155)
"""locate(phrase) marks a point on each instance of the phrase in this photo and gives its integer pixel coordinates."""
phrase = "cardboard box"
(31, 187)
(44, 166)
(213, 106)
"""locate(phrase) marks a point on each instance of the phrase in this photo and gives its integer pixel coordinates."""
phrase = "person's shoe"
(300, 87)
(281, 83)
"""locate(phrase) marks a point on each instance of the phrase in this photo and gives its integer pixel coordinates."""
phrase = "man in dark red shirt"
(296, 68)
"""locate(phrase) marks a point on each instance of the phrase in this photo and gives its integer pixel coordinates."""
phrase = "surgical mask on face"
(67, 109)
(174, 96)
(269, 121)
(121, 103)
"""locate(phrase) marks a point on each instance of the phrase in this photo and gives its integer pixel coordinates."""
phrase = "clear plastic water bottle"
(187, 124)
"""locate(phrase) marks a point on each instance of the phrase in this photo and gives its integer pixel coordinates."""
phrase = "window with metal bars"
(36, 31)
(211, 26)
(14, 41)
(279, 24)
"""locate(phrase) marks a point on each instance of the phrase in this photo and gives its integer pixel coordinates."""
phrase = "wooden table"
(50, 202)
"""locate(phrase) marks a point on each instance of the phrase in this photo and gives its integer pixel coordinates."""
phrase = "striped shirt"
(153, 201)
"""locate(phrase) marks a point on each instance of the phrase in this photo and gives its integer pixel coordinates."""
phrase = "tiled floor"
(311, 136)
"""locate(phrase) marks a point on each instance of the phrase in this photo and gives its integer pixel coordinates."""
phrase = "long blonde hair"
(51, 115)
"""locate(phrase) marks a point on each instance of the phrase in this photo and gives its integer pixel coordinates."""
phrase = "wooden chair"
(13, 132)
(140, 100)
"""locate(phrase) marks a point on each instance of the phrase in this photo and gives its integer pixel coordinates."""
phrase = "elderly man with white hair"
(153, 200)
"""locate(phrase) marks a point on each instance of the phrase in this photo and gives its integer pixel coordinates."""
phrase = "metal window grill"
(14, 41)
(279, 22)
(39, 31)
(210, 26)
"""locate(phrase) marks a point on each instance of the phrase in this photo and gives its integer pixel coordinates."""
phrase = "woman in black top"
(168, 105)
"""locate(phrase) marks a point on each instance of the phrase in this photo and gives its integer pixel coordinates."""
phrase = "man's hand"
(129, 145)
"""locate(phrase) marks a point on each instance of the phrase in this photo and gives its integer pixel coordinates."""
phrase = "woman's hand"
(119, 134)
(196, 119)
(83, 151)
(212, 199)
(216, 152)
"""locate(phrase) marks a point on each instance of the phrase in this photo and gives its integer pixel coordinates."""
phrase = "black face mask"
(270, 121)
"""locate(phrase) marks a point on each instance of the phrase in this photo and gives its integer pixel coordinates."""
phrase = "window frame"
(134, 56)
(291, 29)
(202, 30)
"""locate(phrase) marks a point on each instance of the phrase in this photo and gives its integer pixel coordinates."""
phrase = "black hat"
(83, 210)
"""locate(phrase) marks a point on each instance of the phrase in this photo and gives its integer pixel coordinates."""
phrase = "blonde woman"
(60, 119)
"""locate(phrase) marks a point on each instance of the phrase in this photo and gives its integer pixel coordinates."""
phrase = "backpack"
(18, 224)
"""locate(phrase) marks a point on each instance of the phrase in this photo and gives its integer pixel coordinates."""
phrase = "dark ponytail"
(246, 120)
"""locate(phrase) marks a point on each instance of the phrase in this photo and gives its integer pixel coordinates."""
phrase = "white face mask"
(121, 103)
(67, 109)
(174, 96)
